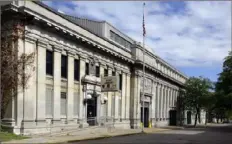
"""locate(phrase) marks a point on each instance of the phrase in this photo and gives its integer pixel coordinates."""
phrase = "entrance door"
(172, 115)
(146, 116)
(189, 114)
(92, 111)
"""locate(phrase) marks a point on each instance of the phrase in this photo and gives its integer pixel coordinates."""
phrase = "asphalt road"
(216, 134)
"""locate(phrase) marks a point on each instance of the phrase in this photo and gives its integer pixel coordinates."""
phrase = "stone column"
(81, 95)
(117, 96)
(30, 89)
(109, 96)
(153, 103)
(41, 82)
(161, 102)
(128, 95)
(164, 103)
(168, 101)
(135, 101)
(103, 94)
(123, 100)
(70, 86)
(57, 84)
(157, 101)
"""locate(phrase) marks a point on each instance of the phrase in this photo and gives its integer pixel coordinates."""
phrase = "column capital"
(57, 48)
(71, 53)
(30, 39)
(42, 43)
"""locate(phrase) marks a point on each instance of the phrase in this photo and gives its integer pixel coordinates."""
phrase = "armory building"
(72, 55)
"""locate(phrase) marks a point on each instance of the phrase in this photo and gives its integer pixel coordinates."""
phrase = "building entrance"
(172, 116)
(146, 116)
(92, 111)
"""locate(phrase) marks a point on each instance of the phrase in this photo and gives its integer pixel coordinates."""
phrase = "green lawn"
(5, 136)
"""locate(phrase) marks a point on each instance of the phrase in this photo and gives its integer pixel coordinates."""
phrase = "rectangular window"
(105, 72)
(63, 103)
(113, 73)
(64, 66)
(76, 70)
(97, 71)
(120, 81)
(49, 102)
(49, 62)
(87, 68)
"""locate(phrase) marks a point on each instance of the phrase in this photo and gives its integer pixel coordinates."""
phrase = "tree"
(208, 104)
(16, 68)
(196, 89)
(224, 86)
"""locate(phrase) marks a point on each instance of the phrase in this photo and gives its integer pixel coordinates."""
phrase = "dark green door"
(172, 116)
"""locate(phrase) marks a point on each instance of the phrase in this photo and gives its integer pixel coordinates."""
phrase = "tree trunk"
(195, 120)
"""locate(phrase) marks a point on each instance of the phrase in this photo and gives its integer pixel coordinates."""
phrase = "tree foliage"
(197, 91)
(224, 87)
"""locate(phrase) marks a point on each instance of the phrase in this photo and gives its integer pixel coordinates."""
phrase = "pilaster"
(164, 101)
(81, 92)
(128, 95)
(57, 83)
(70, 86)
(41, 82)
(103, 106)
(109, 96)
(153, 116)
(123, 97)
(168, 106)
(157, 101)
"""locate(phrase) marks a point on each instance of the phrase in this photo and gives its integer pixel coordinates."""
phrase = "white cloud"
(199, 36)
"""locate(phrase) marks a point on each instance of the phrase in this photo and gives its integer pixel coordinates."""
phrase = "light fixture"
(88, 96)
(105, 98)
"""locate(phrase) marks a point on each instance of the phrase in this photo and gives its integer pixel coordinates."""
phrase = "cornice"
(80, 37)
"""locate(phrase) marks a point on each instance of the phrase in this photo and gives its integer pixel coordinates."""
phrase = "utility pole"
(0, 70)
(143, 96)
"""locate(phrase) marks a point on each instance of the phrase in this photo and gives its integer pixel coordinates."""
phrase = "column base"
(83, 124)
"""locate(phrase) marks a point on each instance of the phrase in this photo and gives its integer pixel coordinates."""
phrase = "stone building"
(72, 54)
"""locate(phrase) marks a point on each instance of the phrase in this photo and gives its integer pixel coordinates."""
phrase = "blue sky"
(193, 36)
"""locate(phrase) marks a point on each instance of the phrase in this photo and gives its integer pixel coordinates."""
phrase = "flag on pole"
(144, 29)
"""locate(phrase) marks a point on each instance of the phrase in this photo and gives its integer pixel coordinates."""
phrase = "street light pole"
(143, 96)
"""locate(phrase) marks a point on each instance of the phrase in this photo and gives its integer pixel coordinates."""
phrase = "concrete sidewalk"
(85, 136)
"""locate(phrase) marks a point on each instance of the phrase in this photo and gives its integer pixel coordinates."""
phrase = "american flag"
(144, 30)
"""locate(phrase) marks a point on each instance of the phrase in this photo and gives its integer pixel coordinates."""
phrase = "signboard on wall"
(110, 83)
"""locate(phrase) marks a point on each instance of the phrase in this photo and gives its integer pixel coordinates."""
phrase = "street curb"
(102, 137)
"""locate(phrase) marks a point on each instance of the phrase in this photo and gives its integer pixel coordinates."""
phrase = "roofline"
(62, 15)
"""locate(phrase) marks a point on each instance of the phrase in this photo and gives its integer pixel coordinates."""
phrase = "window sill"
(49, 76)
(76, 82)
(64, 79)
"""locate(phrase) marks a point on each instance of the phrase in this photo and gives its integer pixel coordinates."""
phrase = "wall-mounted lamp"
(105, 99)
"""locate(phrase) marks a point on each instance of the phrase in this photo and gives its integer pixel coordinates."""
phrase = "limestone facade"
(59, 100)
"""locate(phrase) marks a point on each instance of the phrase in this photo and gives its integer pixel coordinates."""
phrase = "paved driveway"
(214, 134)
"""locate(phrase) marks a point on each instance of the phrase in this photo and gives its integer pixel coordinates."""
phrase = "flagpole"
(143, 96)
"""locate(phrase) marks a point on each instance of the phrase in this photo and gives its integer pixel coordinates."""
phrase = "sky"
(192, 36)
